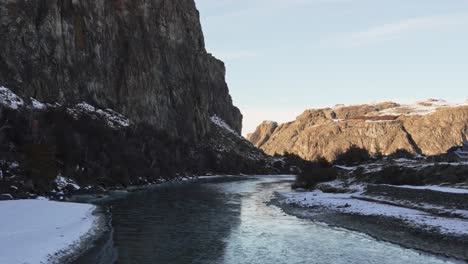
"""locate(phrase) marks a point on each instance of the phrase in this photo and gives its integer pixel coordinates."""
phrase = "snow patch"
(379, 121)
(221, 123)
(112, 118)
(403, 160)
(63, 182)
(10, 99)
(339, 106)
(434, 188)
(345, 168)
(404, 163)
(420, 108)
(6, 196)
(33, 231)
(37, 105)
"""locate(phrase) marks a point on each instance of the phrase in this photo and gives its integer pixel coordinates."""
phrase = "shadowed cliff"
(145, 59)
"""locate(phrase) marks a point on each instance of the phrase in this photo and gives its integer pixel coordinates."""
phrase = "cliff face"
(263, 133)
(143, 58)
(428, 128)
(112, 93)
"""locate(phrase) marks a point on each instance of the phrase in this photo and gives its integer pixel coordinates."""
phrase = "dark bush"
(310, 178)
(401, 153)
(41, 165)
(354, 155)
(312, 172)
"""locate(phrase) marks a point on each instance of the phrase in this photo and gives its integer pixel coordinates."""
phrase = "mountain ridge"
(428, 127)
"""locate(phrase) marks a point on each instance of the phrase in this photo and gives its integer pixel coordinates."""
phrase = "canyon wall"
(145, 59)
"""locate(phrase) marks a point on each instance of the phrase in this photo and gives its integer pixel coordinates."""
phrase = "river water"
(231, 223)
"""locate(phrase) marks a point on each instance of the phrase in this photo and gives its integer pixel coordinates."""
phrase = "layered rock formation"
(143, 58)
(429, 128)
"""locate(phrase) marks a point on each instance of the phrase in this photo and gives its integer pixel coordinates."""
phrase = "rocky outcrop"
(145, 59)
(427, 128)
(263, 133)
(438, 132)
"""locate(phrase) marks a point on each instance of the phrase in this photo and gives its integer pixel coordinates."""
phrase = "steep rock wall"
(143, 58)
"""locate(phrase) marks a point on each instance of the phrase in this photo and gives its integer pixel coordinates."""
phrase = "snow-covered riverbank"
(346, 203)
(427, 218)
(43, 231)
(357, 202)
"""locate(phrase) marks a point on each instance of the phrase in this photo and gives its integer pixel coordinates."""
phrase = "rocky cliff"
(111, 93)
(143, 58)
(428, 128)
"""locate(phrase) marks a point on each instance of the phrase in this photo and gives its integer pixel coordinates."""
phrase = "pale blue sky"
(284, 56)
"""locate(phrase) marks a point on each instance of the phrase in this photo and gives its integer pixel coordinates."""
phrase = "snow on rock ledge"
(427, 107)
(112, 118)
(63, 182)
(41, 231)
(10, 99)
(220, 122)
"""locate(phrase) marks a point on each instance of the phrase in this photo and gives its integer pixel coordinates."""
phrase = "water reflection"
(185, 224)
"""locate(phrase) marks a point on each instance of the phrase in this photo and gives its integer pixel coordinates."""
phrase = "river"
(232, 223)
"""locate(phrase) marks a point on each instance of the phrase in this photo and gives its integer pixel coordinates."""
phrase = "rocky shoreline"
(389, 230)
(380, 224)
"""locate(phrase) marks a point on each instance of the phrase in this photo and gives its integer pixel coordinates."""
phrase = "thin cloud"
(400, 29)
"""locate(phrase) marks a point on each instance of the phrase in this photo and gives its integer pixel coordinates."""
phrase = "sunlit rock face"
(263, 133)
(431, 127)
(145, 59)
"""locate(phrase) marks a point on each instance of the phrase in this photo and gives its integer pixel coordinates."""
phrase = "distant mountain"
(429, 127)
